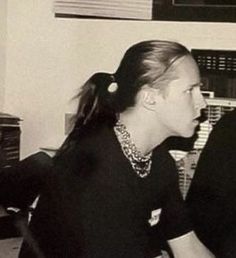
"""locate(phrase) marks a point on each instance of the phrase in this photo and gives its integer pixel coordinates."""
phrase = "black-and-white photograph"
(117, 129)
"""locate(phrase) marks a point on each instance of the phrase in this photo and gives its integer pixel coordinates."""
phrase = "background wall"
(3, 28)
(49, 58)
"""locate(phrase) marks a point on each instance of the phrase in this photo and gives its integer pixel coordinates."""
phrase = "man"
(212, 195)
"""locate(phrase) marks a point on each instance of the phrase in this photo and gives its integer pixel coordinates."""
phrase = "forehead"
(187, 71)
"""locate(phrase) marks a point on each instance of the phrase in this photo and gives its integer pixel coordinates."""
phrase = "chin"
(187, 133)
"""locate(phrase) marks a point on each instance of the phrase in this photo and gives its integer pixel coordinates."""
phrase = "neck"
(145, 132)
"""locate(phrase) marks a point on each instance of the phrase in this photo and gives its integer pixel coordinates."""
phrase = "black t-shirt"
(96, 206)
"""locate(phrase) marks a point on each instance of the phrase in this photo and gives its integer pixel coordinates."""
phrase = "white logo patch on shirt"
(155, 216)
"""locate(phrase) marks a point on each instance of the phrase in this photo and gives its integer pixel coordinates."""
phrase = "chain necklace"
(140, 164)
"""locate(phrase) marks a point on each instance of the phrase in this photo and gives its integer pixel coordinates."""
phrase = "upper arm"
(21, 184)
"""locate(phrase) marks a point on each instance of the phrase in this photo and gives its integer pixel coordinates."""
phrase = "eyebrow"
(198, 84)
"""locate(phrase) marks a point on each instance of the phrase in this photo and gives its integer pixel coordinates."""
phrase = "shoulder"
(230, 118)
(226, 123)
(223, 134)
(88, 148)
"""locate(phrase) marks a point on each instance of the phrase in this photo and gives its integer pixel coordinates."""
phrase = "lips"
(196, 122)
(196, 119)
(201, 116)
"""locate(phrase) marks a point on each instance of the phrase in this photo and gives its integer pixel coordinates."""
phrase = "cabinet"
(9, 156)
(9, 139)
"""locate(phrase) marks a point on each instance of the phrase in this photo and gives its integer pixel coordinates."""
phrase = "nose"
(200, 101)
(203, 102)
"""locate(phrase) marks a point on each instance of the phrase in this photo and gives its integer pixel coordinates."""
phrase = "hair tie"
(113, 86)
(113, 77)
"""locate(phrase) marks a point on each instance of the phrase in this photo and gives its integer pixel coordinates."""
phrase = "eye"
(189, 91)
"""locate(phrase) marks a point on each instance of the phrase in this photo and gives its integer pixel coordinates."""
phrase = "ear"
(148, 98)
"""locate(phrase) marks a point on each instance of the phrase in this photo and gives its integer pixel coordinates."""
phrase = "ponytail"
(96, 106)
(95, 99)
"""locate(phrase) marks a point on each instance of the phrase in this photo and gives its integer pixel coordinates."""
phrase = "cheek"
(179, 109)
(181, 100)
(182, 114)
(188, 104)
